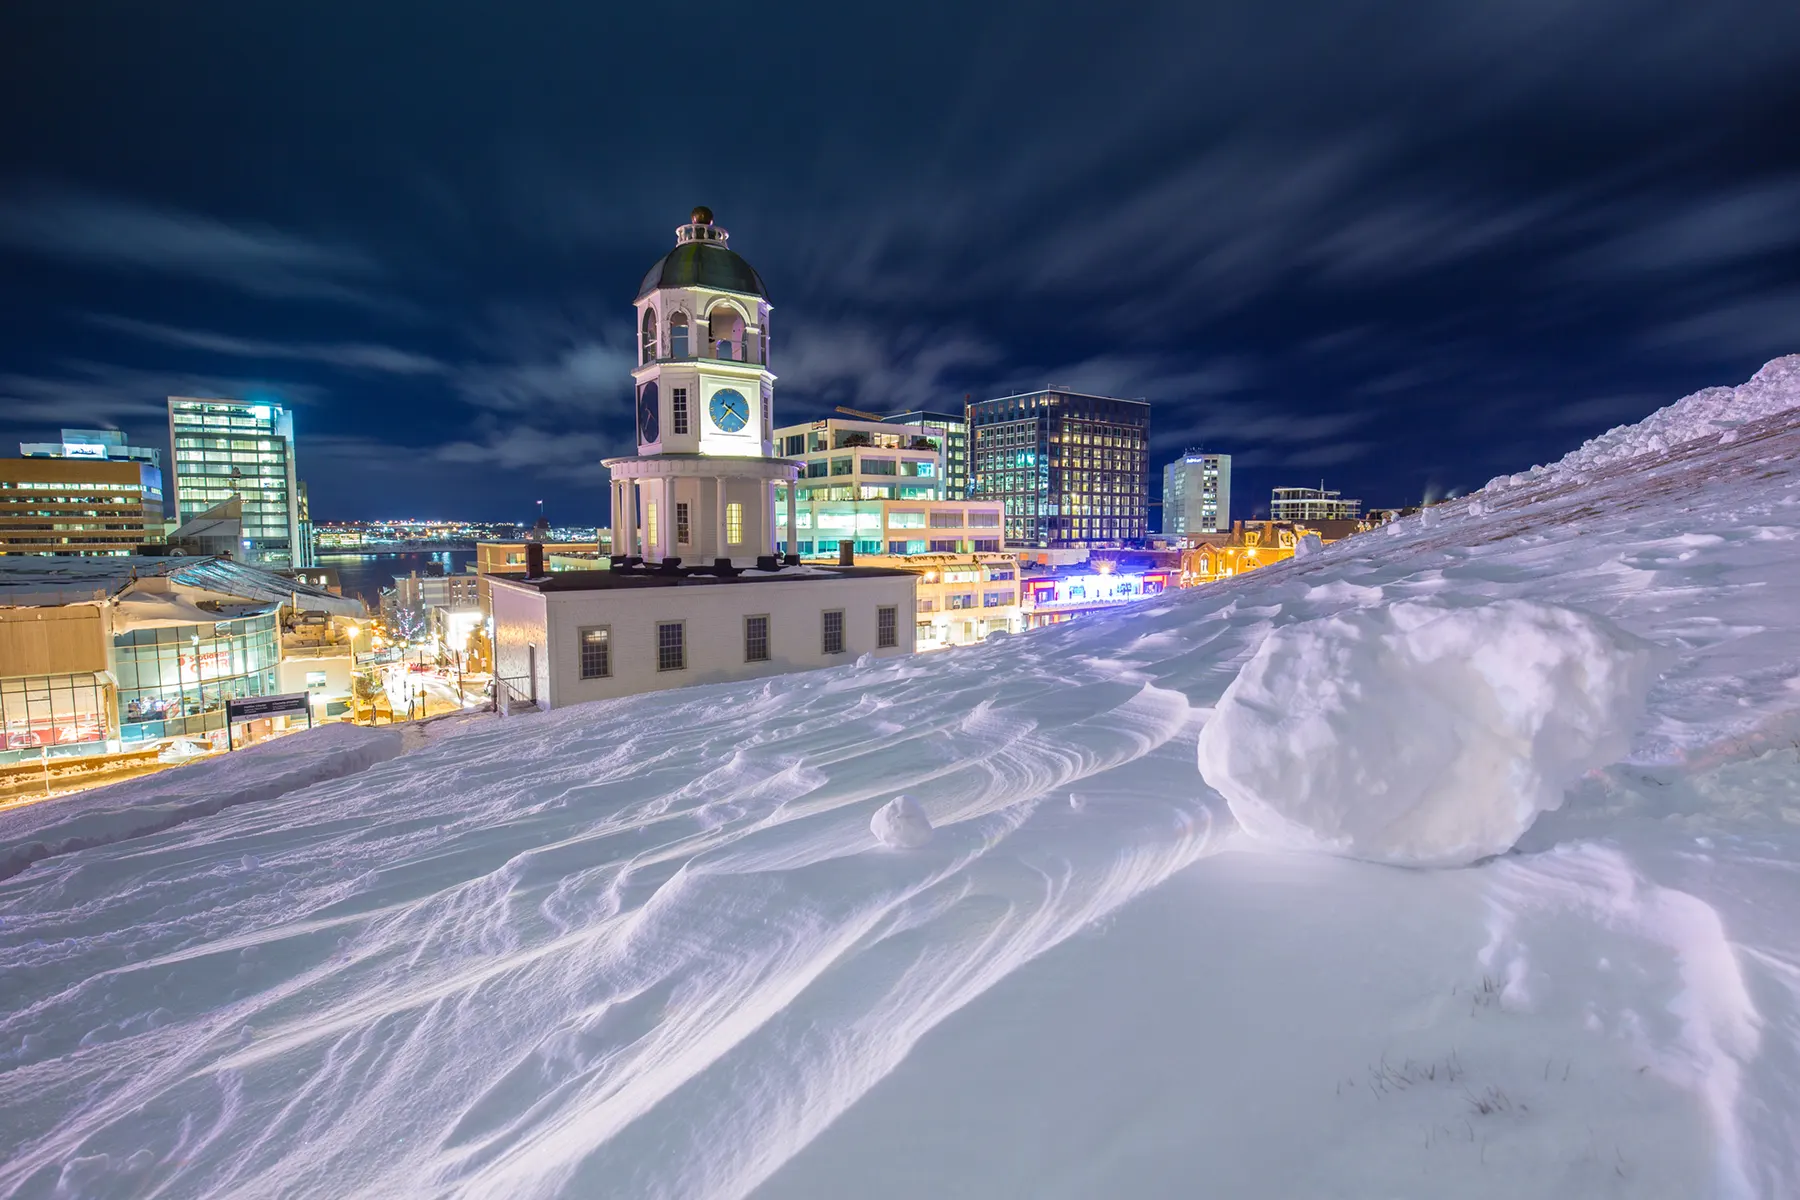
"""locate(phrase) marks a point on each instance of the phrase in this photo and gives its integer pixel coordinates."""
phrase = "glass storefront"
(58, 713)
(175, 681)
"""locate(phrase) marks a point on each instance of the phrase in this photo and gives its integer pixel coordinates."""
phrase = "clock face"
(647, 413)
(729, 410)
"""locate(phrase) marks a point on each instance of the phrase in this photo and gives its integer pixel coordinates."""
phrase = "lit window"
(734, 524)
(596, 652)
(756, 639)
(650, 524)
(887, 626)
(833, 628)
(671, 646)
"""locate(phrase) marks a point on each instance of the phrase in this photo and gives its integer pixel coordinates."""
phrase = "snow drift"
(649, 947)
(162, 801)
(1422, 733)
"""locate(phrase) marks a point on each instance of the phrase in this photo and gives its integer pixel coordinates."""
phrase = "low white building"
(591, 635)
(695, 592)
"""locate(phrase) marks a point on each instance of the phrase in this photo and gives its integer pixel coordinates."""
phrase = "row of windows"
(869, 491)
(229, 443)
(8, 523)
(684, 531)
(188, 422)
(9, 485)
(595, 641)
(902, 546)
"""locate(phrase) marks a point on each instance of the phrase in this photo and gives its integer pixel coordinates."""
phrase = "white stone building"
(695, 592)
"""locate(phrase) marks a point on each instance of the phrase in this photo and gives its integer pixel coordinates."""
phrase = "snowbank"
(140, 807)
(1421, 733)
(1709, 413)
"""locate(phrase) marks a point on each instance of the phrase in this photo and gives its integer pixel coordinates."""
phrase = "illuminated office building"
(226, 448)
(1070, 469)
(1197, 494)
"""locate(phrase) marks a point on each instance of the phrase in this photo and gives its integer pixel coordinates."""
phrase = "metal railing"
(513, 694)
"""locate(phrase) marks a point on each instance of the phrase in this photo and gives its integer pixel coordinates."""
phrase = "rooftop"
(655, 577)
(30, 580)
(1061, 391)
(701, 259)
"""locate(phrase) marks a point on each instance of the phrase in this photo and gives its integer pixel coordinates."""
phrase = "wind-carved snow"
(651, 947)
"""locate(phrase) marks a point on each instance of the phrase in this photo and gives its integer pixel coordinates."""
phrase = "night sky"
(1398, 246)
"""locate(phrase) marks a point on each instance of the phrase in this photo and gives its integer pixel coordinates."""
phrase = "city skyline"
(1409, 297)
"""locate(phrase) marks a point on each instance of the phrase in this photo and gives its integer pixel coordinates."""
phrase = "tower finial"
(702, 215)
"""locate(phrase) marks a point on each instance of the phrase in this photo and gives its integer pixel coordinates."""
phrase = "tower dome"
(701, 259)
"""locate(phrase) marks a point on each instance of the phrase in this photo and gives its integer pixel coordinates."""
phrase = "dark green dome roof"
(703, 264)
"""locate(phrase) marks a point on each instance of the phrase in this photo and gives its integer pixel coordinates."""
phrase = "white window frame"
(768, 649)
(660, 626)
(581, 665)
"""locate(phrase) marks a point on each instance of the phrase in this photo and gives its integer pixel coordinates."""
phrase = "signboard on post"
(250, 708)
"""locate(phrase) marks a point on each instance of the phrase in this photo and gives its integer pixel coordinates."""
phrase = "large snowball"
(1421, 733)
(901, 823)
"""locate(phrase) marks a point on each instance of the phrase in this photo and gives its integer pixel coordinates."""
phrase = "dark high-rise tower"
(1072, 469)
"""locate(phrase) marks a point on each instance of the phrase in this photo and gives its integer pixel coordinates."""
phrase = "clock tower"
(701, 487)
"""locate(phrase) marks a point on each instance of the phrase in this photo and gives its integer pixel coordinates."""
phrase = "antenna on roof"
(856, 412)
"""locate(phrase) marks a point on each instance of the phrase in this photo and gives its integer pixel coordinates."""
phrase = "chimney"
(534, 560)
(846, 554)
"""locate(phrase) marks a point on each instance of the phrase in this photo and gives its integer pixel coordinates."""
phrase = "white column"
(631, 517)
(666, 531)
(719, 518)
(793, 517)
(618, 512)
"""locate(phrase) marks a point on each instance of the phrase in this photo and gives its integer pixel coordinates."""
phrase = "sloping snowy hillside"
(651, 947)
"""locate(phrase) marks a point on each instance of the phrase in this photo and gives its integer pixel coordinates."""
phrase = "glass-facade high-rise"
(1197, 494)
(226, 448)
(1071, 469)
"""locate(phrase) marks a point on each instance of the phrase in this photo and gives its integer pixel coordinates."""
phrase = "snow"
(1713, 412)
(1422, 733)
(170, 798)
(901, 824)
(649, 947)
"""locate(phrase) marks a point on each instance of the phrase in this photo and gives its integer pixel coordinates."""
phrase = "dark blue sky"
(1399, 246)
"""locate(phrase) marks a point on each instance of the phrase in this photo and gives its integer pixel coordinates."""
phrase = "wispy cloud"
(558, 362)
(257, 259)
(1707, 229)
(106, 395)
(572, 457)
(863, 364)
(1601, 409)
(1761, 323)
(354, 356)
